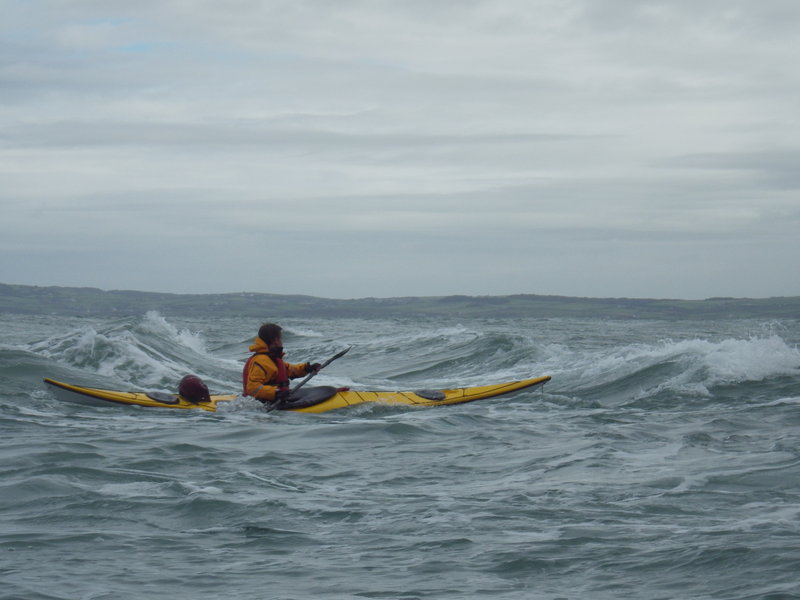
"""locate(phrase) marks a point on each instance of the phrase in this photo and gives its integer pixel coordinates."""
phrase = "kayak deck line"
(335, 400)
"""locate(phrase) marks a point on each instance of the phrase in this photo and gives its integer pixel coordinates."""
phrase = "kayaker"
(265, 376)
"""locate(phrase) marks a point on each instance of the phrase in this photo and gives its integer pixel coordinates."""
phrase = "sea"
(662, 461)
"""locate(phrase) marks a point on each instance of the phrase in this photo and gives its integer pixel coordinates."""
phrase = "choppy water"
(662, 461)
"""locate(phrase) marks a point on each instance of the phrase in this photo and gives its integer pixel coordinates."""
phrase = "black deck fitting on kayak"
(435, 395)
(163, 397)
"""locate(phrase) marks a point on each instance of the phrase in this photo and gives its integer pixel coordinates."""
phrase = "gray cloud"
(620, 148)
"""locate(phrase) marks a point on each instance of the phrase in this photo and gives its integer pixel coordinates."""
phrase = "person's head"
(193, 389)
(271, 334)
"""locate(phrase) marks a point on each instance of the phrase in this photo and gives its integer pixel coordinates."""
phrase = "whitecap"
(137, 489)
(155, 323)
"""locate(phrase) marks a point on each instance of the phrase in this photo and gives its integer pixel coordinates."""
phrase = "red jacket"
(262, 375)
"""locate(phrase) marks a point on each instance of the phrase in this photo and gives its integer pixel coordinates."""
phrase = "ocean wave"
(692, 367)
(146, 352)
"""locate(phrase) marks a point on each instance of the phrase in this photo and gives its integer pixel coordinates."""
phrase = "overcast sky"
(347, 149)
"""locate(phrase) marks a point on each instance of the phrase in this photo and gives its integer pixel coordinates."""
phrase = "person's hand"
(313, 368)
(283, 395)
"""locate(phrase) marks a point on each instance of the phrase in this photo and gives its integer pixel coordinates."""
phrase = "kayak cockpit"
(164, 397)
(308, 396)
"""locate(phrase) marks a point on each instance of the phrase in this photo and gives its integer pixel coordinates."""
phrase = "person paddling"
(265, 376)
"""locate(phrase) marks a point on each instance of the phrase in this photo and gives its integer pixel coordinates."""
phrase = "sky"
(376, 148)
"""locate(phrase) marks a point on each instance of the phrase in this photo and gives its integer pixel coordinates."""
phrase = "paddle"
(322, 366)
(275, 405)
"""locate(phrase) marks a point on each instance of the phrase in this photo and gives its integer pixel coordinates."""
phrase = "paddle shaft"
(322, 366)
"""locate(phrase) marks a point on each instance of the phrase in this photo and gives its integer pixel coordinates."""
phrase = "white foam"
(155, 323)
(302, 331)
(700, 364)
(137, 489)
(755, 359)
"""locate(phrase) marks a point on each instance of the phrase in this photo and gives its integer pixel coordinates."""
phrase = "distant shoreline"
(85, 302)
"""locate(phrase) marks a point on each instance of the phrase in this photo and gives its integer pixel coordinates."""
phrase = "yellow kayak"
(309, 400)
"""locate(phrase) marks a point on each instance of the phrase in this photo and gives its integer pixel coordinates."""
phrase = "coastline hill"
(75, 301)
